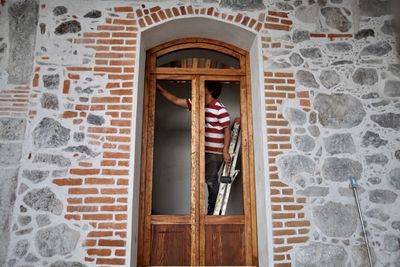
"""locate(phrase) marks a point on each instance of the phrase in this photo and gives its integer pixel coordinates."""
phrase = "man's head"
(214, 88)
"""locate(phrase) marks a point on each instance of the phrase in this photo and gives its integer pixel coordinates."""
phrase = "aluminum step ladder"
(228, 172)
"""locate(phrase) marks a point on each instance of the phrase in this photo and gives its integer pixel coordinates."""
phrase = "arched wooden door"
(174, 227)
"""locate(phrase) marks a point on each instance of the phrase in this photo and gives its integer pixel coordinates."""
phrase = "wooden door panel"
(170, 245)
(224, 245)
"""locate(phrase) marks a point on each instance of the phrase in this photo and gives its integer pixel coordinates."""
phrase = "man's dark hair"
(214, 88)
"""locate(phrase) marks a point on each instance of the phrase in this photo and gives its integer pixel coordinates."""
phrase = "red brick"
(117, 226)
(108, 69)
(332, 35)
(122, 92)
(72, 217)
(155, 9)
(148, 20)
(99, 252)
(318, 35)
(108, 163)
(122, 200)
(139, 13)
(99, 200)
(99, 181)
(278, 14)
(120, 252)
(283, 232)
(82, 209)
(123, 9)
(97, 217)
(123, 48)
(276, 216)
(121, 217)
(124, 21)
(84, 41)
(121, 234)
(278, 27)
(110, 261)
(297, 223)
(74, 200)
(66, 86)
(97, 107)
(100, 234)
(126, 114)
(90, 243)
(62, 182)
(169, 13)
(122, 62)
(271, 19)
(84, 191)
(102, 130)
(183, 10)
(114, 172)
(286, 22)
(124, 35)
(107, 99)
(109, 55)
(141, 23)
(126, 123)
(70, 114)
(120, 77)
(116, 155)
(35, 81)
(113, 191)
(123, 163)
(84, 171)
(114, 208)
(119, 107)
(111, 243)
(73, 76)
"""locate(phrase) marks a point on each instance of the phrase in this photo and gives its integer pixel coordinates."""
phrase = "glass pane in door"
(215, 122)
(172, 152)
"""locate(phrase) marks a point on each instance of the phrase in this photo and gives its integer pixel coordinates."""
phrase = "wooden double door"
(174, 228)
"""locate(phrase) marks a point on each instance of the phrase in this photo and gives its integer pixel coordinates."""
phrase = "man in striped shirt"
(217, 135)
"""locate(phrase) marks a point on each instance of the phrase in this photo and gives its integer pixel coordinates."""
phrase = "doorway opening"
(174, 227)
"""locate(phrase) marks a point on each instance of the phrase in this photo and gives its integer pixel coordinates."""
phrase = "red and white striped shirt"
(217, 119)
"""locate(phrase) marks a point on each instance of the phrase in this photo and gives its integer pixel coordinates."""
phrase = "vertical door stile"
(195, 172)
(245, 166)
(143, 176)
(149, 167)
(202, 171)
(251, 163)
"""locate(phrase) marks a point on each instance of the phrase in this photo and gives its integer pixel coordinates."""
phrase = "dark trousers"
(213, 163)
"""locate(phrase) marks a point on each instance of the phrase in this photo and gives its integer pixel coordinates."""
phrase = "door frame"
(197, 76)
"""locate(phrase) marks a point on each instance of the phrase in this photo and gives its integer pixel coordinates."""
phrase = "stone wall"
(332, 85)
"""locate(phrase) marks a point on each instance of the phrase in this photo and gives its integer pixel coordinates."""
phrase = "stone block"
(341, 169)
(319, 254)
(56, 240)
(8, 181)
(12, 129)
(50, 133)
(10, 154)
(44, 200)
(23, 17)
(339, 143)
(339, 111)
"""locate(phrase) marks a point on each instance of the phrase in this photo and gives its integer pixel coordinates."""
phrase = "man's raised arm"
(181, 102)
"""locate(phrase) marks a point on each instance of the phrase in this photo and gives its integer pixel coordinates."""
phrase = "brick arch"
(156, 15)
